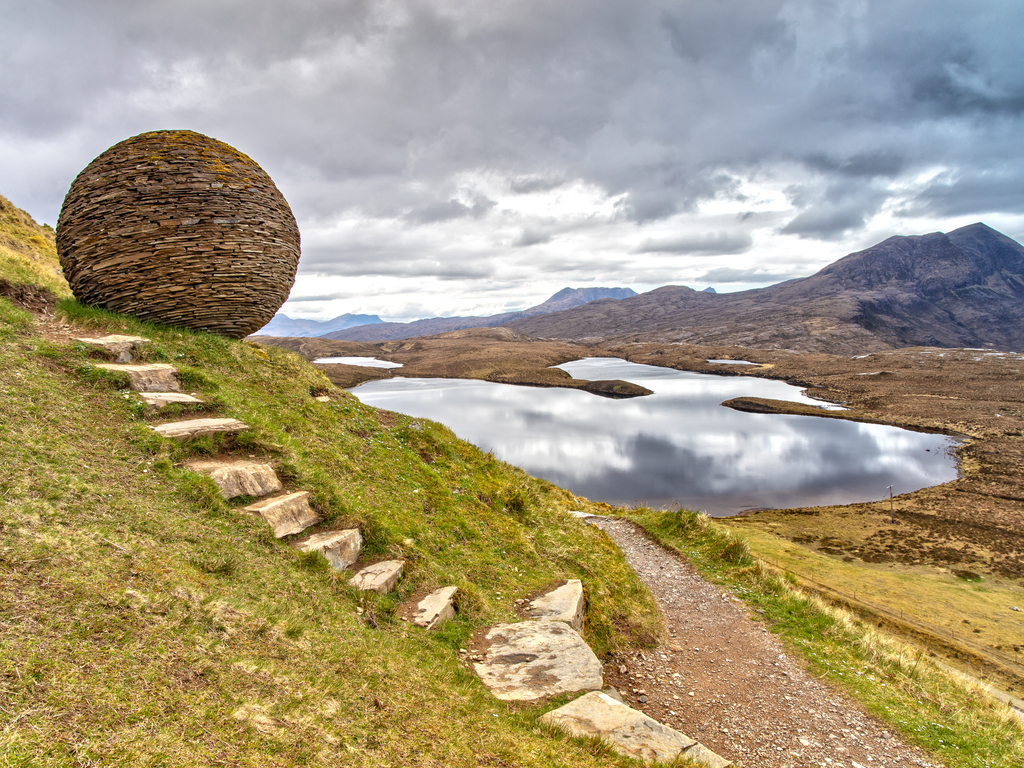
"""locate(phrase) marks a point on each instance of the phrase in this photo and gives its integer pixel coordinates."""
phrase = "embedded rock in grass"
(379, 577)
(239, 478)
(177, 228)
(630, 732)
(435, 608)
(341, 548)
(158, 400)
(155, 377)
(562, 604)
(123, 348)
(532, 660)
(184, 430)
(286, 514)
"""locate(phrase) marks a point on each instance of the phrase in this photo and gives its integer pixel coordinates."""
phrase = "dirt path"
(723, 679)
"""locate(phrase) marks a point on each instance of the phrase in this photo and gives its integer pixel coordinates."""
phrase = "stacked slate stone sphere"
(177, 228)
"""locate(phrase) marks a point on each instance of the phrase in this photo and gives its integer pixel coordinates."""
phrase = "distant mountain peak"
(567, 298)
(961, 289)
(282, 325)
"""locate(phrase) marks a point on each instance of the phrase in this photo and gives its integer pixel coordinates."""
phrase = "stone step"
(586, 516)
(160, 399)
(239, 477)
(123, 348)
(436, 608)
(341, 548)
(629, 731)
(286, 514)
(154, 377)
(562, 604)
(183, 430)
(533, 660)
(380, 577)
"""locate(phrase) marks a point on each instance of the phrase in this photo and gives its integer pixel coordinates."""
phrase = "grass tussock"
(954, 720)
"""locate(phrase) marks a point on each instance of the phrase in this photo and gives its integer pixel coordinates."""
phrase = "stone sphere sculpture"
(177, 228)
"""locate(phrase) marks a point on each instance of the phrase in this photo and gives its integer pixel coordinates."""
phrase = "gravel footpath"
(725, 680)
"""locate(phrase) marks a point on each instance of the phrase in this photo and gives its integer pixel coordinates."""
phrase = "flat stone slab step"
(160, 399)
(286, 514)
(124, 348)
(562, 604)
(153, 377)
(585, 516)
(380, 577)
(436, 608)
(183, 430)
(629, 731)
(341, 548)
(532, 660)
(240, 477)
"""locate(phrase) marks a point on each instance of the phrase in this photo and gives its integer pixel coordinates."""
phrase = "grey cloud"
(826, 221)
(710, 243)
(971, 193)
(448, 210)
(830, 211)
(350, 262)
(384, 109)
(320, 297)
(523, 185)
(865, 164)
(733, 275)
(530, 237)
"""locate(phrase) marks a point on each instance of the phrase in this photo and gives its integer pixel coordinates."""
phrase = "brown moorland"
(961, 543)
(489, 354)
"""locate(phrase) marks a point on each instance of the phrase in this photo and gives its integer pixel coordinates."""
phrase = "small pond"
(366, 362)
(679, 445)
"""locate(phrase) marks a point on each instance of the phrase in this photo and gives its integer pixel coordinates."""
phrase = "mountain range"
(567, 298)
(282, 325)
(961, 289)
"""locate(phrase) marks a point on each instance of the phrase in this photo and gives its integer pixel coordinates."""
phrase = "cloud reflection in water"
(678, 445)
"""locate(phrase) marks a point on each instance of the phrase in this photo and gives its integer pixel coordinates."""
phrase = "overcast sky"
(471, 157)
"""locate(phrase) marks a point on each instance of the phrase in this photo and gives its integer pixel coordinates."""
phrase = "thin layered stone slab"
(532, 660)
(629, 731)
(340, 548)
(435, 608)
(123, 348)
(239, 478)
(380, 577)
(183, 430)
(287, 515)
(152, 377)
(562, 604)
(161, 399)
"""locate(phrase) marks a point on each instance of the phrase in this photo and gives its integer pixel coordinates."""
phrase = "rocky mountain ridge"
(567, 298)
(961, 289)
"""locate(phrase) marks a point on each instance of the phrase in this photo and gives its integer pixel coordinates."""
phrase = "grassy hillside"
(148, 622)
(28, 255)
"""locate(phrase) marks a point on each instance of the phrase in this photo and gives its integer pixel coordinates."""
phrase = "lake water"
(366, 362)
(677, 446)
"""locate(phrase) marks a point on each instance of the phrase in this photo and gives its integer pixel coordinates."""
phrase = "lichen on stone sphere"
(177, 228)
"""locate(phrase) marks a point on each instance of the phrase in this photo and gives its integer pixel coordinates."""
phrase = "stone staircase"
(288, 513)
(545, 656)
(530, 660)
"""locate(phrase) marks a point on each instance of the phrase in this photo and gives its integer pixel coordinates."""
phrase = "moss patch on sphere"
(177, 228)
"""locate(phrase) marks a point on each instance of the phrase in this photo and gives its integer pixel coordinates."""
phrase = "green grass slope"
(28, 253)
(145, 621)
